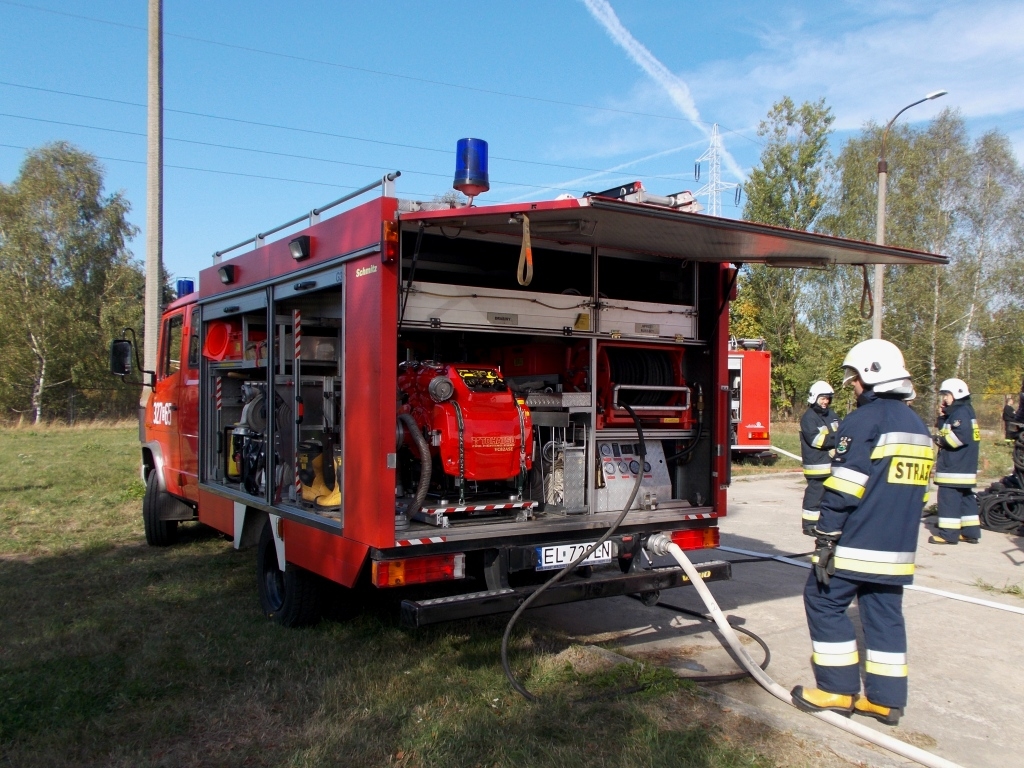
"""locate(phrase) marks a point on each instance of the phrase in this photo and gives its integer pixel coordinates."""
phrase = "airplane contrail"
(677, 90)
(573, 183)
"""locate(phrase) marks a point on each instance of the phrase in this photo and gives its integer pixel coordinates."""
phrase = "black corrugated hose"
(1001, 507)
(519, 687)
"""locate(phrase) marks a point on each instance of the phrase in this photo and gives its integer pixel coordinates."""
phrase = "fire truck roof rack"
(385, 181)
(756, 344)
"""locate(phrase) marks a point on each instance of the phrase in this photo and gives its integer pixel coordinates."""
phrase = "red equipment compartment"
(495, 428)
(532, 359)
(649, 378)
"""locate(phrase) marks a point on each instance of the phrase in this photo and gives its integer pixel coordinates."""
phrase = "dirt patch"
(916, 738)
(695, 709)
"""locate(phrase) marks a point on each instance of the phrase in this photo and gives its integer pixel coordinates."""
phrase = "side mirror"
(121, 357)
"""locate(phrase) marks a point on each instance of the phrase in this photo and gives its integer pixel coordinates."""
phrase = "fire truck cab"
(441, 399)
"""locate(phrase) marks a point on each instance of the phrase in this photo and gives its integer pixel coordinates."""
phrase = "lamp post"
(883, 174)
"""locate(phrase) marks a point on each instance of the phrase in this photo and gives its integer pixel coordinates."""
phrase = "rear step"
(418, 613)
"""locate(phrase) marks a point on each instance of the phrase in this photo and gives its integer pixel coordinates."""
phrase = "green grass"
(117, 654)
(1017, 590)
(785, 435)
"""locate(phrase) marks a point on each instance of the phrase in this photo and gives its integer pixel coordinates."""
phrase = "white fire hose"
(661, 544)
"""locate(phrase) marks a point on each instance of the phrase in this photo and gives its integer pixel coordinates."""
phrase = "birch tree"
(953, 197)
(63, 265)
(786, 189)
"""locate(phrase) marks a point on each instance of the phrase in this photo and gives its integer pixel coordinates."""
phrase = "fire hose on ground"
(662, 545)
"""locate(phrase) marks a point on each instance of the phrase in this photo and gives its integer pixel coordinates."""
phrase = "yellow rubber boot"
(332, 498)
(887, 715)
(311, 492)
(817, 700)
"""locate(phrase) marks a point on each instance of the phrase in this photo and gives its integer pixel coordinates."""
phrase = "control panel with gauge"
(620, 464)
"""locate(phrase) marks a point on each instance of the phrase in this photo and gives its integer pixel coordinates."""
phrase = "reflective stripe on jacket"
(959, 444)
(874, 496)
(817, 438)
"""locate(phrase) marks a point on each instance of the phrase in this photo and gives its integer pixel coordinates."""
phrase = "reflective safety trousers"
(817, 437)
(959, 444)
(875, 494)
(836, 660)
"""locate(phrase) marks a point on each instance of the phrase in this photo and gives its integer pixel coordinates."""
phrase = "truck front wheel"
(159, 533)
(293, 597)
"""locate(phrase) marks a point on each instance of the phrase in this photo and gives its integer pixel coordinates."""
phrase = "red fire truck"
(432, 399)
(750, 395)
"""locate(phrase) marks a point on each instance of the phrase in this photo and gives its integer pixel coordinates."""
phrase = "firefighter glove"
(824, 557)
(809, 528)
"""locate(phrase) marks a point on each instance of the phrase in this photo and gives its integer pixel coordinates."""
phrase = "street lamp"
(883, 173)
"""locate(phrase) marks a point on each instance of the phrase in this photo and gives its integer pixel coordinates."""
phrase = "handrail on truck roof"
(314, 215)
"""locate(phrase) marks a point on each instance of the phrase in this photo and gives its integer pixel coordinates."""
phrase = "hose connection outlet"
(658, 544)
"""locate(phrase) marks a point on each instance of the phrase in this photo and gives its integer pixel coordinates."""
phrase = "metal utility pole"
(883, 175)
(715, 186)
(154, 186)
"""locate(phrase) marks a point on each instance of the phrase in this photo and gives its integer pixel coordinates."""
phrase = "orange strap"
(525, 272)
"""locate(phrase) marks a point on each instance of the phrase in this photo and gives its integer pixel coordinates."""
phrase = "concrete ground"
(966, 661)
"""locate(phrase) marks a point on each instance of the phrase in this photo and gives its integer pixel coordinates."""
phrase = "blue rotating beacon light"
(471, 168)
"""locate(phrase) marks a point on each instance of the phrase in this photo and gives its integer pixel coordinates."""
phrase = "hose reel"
(1001, 506)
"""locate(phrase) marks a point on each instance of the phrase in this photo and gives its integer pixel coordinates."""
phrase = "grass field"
(117, 654)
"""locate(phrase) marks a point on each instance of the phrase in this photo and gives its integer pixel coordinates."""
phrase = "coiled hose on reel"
(641, 367)
(1001, 506)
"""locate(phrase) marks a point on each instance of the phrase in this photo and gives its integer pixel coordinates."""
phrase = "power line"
(261, 151)
(324, 133)
(208, 170)
(366, 70)
(232, 173)
(223, 173)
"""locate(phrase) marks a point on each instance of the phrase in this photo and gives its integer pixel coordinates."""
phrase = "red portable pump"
(477, 426)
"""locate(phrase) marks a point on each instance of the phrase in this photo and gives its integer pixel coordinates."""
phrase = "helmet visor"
(849, 374)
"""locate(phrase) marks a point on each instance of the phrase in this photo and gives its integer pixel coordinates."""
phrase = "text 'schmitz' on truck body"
(379, 402)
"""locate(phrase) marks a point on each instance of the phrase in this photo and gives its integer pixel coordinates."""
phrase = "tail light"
(419, 570)
(696, 538)
(763, 435)
(389, 242)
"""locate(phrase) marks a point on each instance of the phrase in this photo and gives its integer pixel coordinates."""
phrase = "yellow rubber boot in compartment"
(311, 492)
(333, 497)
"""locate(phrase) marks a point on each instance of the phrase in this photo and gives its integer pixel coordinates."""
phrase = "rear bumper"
(418, 613)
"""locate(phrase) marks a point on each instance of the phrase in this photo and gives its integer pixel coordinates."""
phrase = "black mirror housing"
(121, 357)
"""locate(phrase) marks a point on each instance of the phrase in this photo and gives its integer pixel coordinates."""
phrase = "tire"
(159, 533)
(292, 598)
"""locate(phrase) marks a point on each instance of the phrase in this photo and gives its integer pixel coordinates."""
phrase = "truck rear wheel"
(292, 598)
(159, 533)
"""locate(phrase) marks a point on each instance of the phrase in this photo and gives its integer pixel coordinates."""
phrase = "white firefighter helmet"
(956, 387)
(818, 389)
(879, 364)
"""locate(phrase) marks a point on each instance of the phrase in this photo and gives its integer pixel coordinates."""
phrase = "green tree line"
(947, 194)
(68, 284)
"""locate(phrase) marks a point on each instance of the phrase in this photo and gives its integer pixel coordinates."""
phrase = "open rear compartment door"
(625, 306)
(514, 447)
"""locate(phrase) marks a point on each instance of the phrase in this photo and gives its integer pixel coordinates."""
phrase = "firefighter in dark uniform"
(866, 541)
(818, 428)
(956, 471)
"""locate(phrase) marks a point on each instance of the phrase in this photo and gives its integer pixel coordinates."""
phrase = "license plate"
(549, 558)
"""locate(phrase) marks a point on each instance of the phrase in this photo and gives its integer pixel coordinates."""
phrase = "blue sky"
(572, 95)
